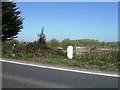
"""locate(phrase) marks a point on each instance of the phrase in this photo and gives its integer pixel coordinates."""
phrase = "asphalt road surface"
(23, 76)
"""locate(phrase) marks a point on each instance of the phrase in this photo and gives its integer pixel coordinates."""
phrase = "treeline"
(82, 42)
(54, 43)
(31, 47)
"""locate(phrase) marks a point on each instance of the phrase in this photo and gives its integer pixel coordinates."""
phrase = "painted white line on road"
(63, 69)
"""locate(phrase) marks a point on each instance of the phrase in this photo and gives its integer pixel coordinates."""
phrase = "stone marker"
(70, 52)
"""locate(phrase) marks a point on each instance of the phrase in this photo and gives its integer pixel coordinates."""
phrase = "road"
(23, 76)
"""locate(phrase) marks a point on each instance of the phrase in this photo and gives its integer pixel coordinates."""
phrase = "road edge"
(56, 68)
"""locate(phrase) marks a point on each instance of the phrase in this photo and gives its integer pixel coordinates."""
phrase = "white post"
(14, 50)
(70, 52)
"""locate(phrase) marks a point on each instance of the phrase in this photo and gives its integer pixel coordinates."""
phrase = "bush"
(50, 51)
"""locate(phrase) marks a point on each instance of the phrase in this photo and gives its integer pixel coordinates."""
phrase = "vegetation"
(65, 43)
(42, 40)
(11, 21)
(97, 59)
(89, 43)
(54, 43)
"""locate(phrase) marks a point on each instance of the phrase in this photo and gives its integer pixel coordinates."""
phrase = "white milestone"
(70, 52)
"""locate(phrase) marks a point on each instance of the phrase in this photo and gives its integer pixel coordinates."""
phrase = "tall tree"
(12, 22)
(42, 40)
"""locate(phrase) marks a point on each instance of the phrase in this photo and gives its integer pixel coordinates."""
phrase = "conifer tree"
(12, 22)
(42, 40)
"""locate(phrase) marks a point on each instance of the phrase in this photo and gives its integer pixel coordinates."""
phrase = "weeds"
(98, 59)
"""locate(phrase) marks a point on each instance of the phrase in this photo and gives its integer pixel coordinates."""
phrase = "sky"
(73, 20)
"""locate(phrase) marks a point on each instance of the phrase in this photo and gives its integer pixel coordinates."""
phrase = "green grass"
(76, 62)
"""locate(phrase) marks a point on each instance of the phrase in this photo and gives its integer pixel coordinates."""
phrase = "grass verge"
(76, 62)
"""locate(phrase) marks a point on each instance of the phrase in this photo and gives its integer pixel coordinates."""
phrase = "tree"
(54, 43)
(65, 43)
(42, 40)
(12, 22)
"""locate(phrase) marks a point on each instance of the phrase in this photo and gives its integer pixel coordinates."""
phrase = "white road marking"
(63, 69)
